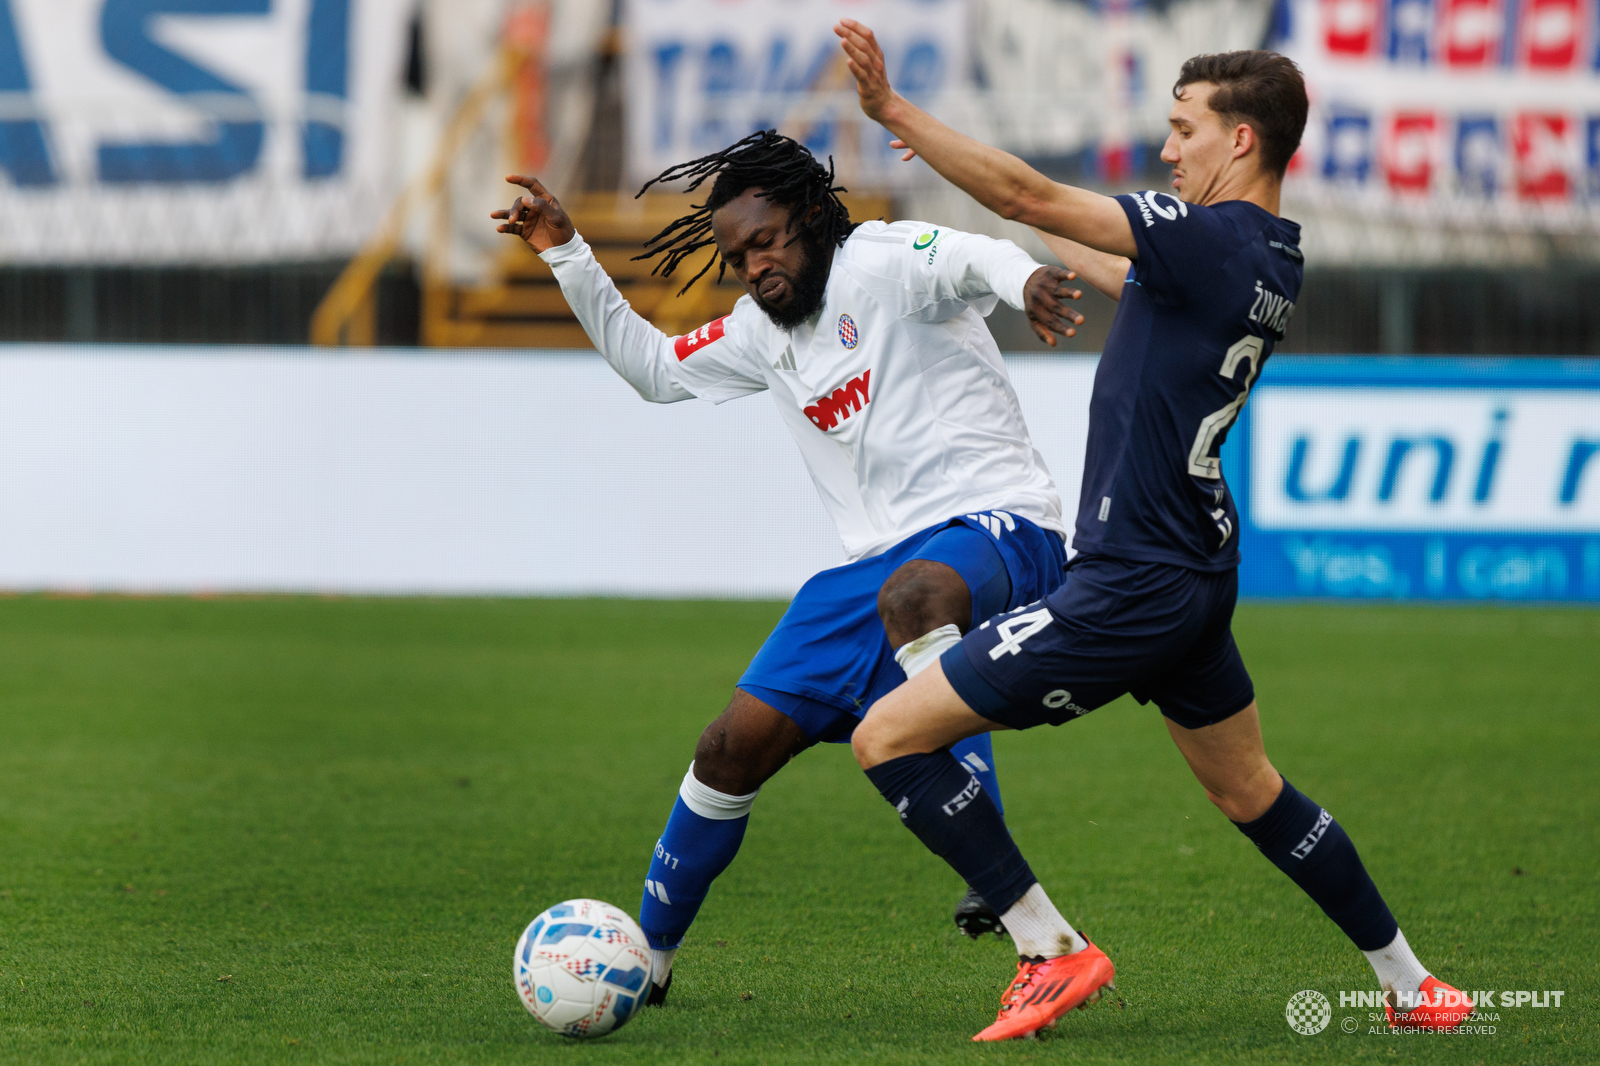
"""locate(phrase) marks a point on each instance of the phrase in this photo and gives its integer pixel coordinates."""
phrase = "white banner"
(703, 73)
(195, 130)
(450, 472)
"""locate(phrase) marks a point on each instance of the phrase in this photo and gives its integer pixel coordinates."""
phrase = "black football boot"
(975, 917)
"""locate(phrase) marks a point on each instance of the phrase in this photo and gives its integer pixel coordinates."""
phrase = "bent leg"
(746, 744)
(1299, 837)
(957, 580)
(1230, 761)
(924, 715)
(903, 745)
(977, 754)
(736, 755)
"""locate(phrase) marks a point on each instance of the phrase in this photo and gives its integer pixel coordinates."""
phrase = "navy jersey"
(1209, 294)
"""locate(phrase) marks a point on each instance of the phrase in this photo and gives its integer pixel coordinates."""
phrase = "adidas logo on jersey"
(828, 411)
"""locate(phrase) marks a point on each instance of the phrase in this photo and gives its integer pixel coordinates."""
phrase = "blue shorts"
(829, 658)
(1158, 631)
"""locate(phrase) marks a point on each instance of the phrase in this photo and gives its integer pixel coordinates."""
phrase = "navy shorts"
(1158, 631)
(829, 659)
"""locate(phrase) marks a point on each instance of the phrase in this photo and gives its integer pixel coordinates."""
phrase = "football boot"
(1045, 989)
(975, 917)
(1432, 1012)
(658, 993)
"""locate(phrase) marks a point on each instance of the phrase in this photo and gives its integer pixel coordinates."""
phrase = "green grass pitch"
(310, 831)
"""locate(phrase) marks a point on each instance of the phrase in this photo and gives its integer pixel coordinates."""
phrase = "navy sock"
(977, 754)
(942, 802)
(1303, 840)
(692, 851)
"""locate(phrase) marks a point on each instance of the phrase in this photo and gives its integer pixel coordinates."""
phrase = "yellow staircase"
(523, 306)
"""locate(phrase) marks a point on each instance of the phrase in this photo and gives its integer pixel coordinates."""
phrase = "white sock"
(926, 649)
(1396, 966)
(707, 802)
(661, 965)
(1037, 927)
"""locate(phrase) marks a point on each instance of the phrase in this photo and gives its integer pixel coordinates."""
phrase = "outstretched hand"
(1041, 299)
(537, 218)
(864, 56)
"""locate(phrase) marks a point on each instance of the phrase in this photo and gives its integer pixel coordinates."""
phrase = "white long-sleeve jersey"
(894, 391)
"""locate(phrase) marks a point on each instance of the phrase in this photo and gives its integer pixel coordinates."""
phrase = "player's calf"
(746, 745)
(1304, 841)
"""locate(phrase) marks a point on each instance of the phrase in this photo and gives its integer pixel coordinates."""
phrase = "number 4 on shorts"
(1013, 631)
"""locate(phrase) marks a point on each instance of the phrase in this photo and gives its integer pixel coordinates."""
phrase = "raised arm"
(998, 180)
(635, 349)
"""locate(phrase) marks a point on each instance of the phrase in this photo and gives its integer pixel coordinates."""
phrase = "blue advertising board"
(1420, 478)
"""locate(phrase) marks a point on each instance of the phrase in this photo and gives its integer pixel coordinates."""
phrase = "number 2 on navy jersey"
(1201, 462)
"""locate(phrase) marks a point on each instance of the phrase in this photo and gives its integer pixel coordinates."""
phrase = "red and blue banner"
(1486, 102)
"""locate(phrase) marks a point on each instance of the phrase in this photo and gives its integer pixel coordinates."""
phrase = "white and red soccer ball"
(582, 968)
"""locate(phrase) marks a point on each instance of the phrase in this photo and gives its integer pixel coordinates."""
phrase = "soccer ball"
(582, 968)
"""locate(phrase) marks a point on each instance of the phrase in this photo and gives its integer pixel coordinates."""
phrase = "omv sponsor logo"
(1479, 488)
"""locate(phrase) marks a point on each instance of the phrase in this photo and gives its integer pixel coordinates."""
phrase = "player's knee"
(722, 765)
(921, 596)
(739, 752)
(1222, 803)
(728, 763)
(1248, 798)
(869, 743)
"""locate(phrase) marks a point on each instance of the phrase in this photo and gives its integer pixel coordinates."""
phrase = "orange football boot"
(1433, 1011)
(1045, 989)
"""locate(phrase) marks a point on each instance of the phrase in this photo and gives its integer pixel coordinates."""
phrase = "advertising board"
(136, 131)
(1420, 479)
(1483, 104)
(703, 73)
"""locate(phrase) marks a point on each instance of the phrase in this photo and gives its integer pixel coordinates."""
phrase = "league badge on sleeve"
(847, 331)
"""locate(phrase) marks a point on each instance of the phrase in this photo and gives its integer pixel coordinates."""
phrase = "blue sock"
(977, 753)
(692, 852)
(942, 802)
(1303, 840)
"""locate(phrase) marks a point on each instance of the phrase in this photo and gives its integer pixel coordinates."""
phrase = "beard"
(807, 287)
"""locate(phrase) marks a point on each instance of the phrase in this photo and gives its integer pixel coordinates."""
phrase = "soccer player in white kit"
(871, 341)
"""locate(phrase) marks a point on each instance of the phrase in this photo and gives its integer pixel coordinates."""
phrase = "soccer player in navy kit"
(1206, 277)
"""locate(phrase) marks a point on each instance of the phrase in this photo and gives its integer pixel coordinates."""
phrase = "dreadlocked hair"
(786, 172)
